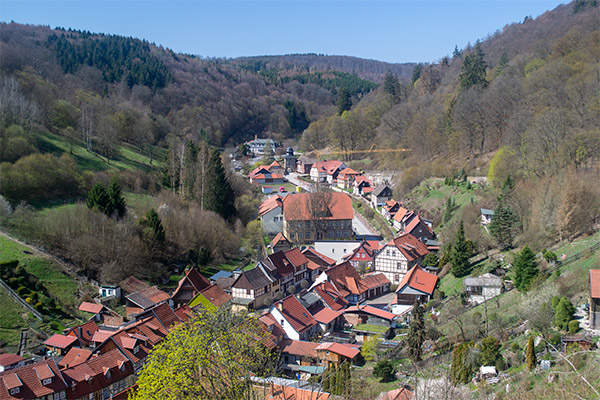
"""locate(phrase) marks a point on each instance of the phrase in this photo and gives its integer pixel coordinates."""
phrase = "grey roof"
(485, 211)
(252, 279)
(225, 283)
(379, 189)
(141, 300)
(484, 280)
(309, 299)
(224, 274)
(307, 160)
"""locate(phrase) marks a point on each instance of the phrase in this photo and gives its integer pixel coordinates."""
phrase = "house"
(60, 344)
(329, 320)
(191, 284)
(419, 229)
(380, 195)
(138, 302)
(329, 296)
(304, 164)
(258, 146)
(40, 380)
(579, 341)
(483, 288)
(314, 216)
(298, 352)
(396, 394)
(220, 274)
(132, 284)
(337, 249)
(377, 284)
(360, 184)
(282, 392)
(390, 208)
(110, 291)
(286, 268)
(253, 285)
(344, 278)
(486, 216)
(280, 243)
(417, 285)
(358, 315)
(295, 320)
(10, 361)
(332, 355)
(317, 262)
(594, 313)
(362, 256)
(92, 308)
(84, 333)
(212, 296)
(346, 178)
(399, 255)
(74, 357)
(289, 160)
(271, 215)
(326, 171)
(266, 178)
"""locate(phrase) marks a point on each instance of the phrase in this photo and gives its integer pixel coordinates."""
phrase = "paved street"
(292, 177)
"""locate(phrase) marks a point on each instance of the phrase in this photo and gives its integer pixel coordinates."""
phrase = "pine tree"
(563, 313)
(153, 223)
(391, 86)
(525, 268)
(460, 369)
(504, 221)
(416, 332)
(97, 198)
(218, 195)
(344, 100)
(459, 255)
(530, 359)
(450, 205)
(473, 71)
(416, 74)
(116, 200)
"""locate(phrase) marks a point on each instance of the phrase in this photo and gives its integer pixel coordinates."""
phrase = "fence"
(577, 256)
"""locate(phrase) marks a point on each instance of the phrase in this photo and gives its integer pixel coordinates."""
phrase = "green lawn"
(371, 328)
(13, 317)
(450, 285)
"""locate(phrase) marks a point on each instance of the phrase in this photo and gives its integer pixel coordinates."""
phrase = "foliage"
(573, 327)
(154, 229)
(344, 100)
(213, 356)
(490, 350)
(530, 358)
(116, 200)
(218, 194)
(460, 369)
(384, 370)
(369, 348)
(473, 71)
(450, 206)
(525, 269)
(563, 313)
(459, 255)
(416, 332)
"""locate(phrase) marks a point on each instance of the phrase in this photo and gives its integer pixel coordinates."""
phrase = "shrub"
(304, 284)
(28, 300)
(39, 306)
(384, 370)
(500, 364)
(573, 327)
(369, 213)
(555, 339)
(278, 296)
(269, 301)
(12, 282)
(21, 290)
(292, 289)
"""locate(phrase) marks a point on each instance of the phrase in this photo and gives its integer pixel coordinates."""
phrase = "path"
(292, 177)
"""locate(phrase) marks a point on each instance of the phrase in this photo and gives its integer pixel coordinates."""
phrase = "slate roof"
(297, 207)
(411, 247)
(295, 313)
(28, 378)
(252, 279)
(382, 187)
(221, 274)
(595, 283)
(484, 280)
(419, 279)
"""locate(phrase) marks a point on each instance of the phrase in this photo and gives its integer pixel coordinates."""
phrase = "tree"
(218, 195)
(530, 358)
(416, 74)
(460, 369)
(489, 350)
(154, 231)
(344, 100)
(98, 199)
(213, 356)
(525, 269)
(392, 87)
(563, 313)
(459, 255)
(116, 200)
(369, 348)
(450, 206)
(416, 332)
(503, 225)
(473, 71)
(384, 370)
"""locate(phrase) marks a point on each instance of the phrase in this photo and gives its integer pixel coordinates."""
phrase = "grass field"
(13, 317)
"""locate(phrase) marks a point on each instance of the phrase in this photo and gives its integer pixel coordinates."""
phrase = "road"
(359, 226)
(292, 177)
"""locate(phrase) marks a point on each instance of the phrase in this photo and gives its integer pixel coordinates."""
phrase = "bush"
(369, 213)
(268, 301)
(500, 364)
(278, 296)
(39, 306)
(555, 339)
(13, 282)
(393, 287)
(21, 290)
(28, 300)
(573, 327)
(292, 289)
(384, 370)
(304, 284)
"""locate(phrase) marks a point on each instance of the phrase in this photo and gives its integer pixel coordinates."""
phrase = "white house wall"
(394, 266)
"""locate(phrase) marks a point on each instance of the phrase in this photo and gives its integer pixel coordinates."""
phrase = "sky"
(392, 31)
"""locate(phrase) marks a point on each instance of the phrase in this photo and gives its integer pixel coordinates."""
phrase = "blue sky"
(392, 31)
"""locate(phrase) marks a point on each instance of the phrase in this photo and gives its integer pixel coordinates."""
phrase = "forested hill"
(133, 86)
(367, 69)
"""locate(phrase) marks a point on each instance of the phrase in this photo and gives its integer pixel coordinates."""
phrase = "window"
(47, 381)
(15, 390)
(394, 253)
(248, 291)
(307, 235)
(399, 265)
(307, 224)
(136, 349)
(338, 234)
(363, 255)
(122, 368)
(330, 234)
(396, 278)
(387, 252)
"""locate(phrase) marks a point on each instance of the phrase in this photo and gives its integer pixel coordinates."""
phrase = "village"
(327, 284)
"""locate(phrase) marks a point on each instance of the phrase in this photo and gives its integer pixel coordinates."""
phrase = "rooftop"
(60, 341)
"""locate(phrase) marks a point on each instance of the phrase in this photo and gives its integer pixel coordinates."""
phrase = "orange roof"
(397, 394)
(400, 214)
(274, 164)
(60, 341)
(270, 204)
(327, 166)
(375, 279)
(29, 380)
(367, 190)
(371, 310)
(309, 252)
(419, 279)
(296, 257)
(91, 307)
(295, 313)
(278, 392)
(84, 332)
(411, 247)
(595, 283)
(345, 279)
(156, 295)
(299, 347)
(331, 296)
(326, 315)
(215, 295)
(7, 359)
(279, 238)
(101, 335)
(334, 206)
(74, 357)
(339, 348)
(414, 223)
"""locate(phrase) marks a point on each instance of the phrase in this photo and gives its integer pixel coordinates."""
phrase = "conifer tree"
(504, 220)
(563, 313)
(525, 269)
(344, 100)
(153, 223)
(460, 370)
(459, 255)
(116, 200)
(218, 195)
(97, 198)
(530, 359)
(473, 71)
(416, 332)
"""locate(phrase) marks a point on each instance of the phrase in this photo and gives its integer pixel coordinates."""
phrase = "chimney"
(255, 137)
(280, 306)
(79, 330)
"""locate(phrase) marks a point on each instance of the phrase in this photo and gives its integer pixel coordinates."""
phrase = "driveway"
(292, 177)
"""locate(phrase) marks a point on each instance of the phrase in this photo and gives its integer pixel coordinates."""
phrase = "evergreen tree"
(459, 255)
(116, 200)
(489, 350)
(218, 195)
(416, 332)
(525, 268)
(344, 100)
(473, 71)
(384, 370)
(504, 221)
(460, 369)
(563, 313)
(391, 86)
(502, 64)
(416, 74)
(326, 381)
(155, 230)
(450, 205)
(98, 199)
(456, 53)
(530, 357)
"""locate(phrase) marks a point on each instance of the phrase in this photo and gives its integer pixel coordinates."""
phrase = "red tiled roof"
(595, 283)
(360, 179)
(419, 279)
(338, 348)
(131, 311)
(346, 280)
(84, 332)
(275, 164)
(400, 214)
(375, 280)
(311, 253)
(371, 310)
(91, 307)
(331, 296)
(74, 357)
(367, 190)
(299, 347)
(326, 315)
(216, 295)
(275, 329)
(279, 392)
(184, 312)
(295, 314)
(279, 238)
(29, 381)
(414, 223)
(60, 341)
(101, 335)
(132, 284)
(270, 204)
(297, 207)
(327, 166)
(296, 257)
(411, 247)
(194, 279)
(8, 359)
(397, 394)
(165, 315)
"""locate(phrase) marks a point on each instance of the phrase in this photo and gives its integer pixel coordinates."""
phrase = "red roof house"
(418, 285)
(84, 332)
(594, 314)
(60, 344)
(33, 381)
(91, 307)
(294, 318)
(191, 284)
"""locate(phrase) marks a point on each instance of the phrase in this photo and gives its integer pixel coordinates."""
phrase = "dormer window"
(122, 367)
(47, 381)
(136, 349)
(15, 390)
(107, 374)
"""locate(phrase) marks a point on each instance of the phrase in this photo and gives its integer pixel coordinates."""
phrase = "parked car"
(282, 189)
